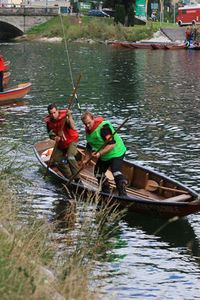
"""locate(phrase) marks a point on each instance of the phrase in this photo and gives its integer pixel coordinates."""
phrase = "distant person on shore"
(153, 17)
(79, 20)
(187, 34)
(2, 69)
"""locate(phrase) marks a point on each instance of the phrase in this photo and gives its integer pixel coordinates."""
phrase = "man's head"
(53, 111)
(88, 119)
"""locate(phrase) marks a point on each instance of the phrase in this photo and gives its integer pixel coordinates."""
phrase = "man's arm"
(70, 121)
(51, 133)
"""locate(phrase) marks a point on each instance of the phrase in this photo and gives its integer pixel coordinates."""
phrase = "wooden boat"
(10, 95)
(6, 78)
(138, 45)
(7, 65)
(174, 47)
(149, 192)
(157, 46)
(116, 45)
(194, 46)
(125, 45)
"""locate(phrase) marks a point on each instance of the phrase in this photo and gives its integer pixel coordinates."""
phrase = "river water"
(160, 91)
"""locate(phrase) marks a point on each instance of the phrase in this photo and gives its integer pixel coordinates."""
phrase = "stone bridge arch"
(9, 31)
(17, 21)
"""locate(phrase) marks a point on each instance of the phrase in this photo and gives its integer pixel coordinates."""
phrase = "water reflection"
(170, 233)
(157, 89)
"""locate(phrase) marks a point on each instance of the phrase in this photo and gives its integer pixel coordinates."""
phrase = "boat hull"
(13, 94)
(6, 78)
(155, 205)
(6, 65)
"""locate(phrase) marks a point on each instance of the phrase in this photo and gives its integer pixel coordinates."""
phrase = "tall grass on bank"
(35, 264)
(99, 29)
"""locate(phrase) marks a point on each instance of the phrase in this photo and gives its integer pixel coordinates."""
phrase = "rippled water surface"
(160, 91)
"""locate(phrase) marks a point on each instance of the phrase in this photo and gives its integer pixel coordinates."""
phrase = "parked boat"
(6, 78)
(7, 65)
(148, 192)
(174, 47)
(116, 45)
(10, 95)
(194, 46)
(126, 45)
(146, 45)
(139, 45)
(157, 46)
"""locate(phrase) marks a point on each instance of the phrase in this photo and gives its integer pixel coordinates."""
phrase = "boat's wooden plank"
(179, 198)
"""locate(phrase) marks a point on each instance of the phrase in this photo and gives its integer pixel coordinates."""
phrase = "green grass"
(98, 29)
(32, 264)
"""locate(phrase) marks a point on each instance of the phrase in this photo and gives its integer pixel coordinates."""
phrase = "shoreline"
(158, 37)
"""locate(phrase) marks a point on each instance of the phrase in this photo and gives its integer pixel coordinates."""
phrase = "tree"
(119, 14)
(128, 7)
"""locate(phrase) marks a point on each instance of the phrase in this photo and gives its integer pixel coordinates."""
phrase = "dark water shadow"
(178, 233)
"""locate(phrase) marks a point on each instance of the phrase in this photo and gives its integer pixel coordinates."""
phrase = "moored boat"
(144, 45)
(11, 94)
(194, 46)
(125, 45)
(116, 45)
(174, 47)
(6, 78)
(148, 192)
(157, 46)
(7, 65)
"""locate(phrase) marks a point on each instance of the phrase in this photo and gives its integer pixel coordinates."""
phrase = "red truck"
(188, 15)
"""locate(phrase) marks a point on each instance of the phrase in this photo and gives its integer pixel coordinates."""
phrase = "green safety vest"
(95, 140)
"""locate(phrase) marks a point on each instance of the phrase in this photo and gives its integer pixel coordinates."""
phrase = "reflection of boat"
(168, 231)
(7, 65)
(11, 94)
(148, 192)
(6, 78)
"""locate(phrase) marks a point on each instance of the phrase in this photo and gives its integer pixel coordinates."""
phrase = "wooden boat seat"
(179, 198)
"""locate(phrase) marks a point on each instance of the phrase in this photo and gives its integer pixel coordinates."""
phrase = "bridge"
(15, 21)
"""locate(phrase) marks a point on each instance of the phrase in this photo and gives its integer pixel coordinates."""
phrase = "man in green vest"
(112, 155)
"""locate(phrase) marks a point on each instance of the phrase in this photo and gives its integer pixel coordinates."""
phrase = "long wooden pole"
(63, 124)
(102, 146)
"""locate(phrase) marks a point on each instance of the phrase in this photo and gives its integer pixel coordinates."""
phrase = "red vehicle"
(188, 15)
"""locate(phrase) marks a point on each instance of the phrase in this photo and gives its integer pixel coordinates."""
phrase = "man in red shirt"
(67, 138)
(2, 68)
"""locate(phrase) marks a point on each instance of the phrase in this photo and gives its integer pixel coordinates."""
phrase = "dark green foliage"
(131, 16)
(119, 14)
(75, 7)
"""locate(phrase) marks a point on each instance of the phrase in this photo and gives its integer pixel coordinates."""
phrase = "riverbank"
(32, 266)
(93, 30)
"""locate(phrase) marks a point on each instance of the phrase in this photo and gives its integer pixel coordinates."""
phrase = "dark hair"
(87, 114)
(51, 106)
